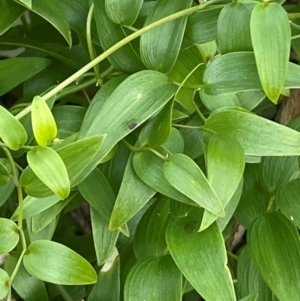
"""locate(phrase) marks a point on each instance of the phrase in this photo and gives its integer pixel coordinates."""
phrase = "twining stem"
(90, 43)
(64, 293)
(117, 46)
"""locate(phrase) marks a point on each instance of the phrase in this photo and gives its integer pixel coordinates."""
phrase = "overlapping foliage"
(153, 113)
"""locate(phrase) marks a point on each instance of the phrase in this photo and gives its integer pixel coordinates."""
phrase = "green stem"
(14, 273)
(131, 147)
(158, 154)
(187, 126)
(90, 44)
(295, 25)
(131, 28)
(235, 257)
(64, 293)
(293, 16)
(295, 37)
(271, 202)
(117, 46)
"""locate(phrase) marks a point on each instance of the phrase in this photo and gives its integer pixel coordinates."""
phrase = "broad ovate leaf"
(43, 123)
(12, 132)
(254, 133)
(201, 257)
(49, 167)
(160, 46)
(274, 246)
(123, 12)
(271, 39)
(4, 283)
(154, 279)
(55, 263)
(184, 175)
(9, 235)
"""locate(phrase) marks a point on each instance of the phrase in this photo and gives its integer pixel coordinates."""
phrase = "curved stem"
(117, 46)
(90, 43)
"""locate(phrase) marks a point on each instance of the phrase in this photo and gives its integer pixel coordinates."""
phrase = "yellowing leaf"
(50, 169)
(12, 132)
(43, 123)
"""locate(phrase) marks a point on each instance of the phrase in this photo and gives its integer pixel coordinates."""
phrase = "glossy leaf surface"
(43, 123)
(270, 24)
(67, 267)
(184, 175)
(255, 133)
(12, 132)
(162, 54)
(50, 169)
(201, 257)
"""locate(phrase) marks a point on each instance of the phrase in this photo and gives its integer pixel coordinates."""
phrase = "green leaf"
(277, 171)
(32, 206)
(4, 284)
(52, 12)
(132, 197)
(252, 297)
(107, 287)
(28, 3)
(53, 50)
(98, 101)
(45, 233)
(158, 129)
(237, 72)
(12, 131)
(44, 218)
(15, 71)
(67, 267)
(97, 191)
(270, 20)
(27, 287)
(206, 270)
(254, 133)
(136, 99)
(10, 12)
(9, 235)
(125, 12)
(202, 26)
(6, 191)
(160, 46)
(50, 169)
(254, 199)
(4, 174)
(43, 123)
(149, 238)
(249, 280)
(234, 28)
(224, 156)
(274, 246)
(288, 201)
(184, 175)
(188, 59)
(125, 59)
(154, 279)
(104, 239)
(76, 157)
(150, 169)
